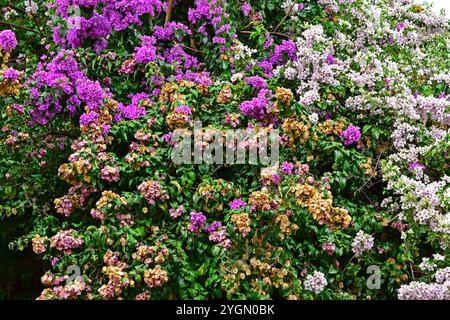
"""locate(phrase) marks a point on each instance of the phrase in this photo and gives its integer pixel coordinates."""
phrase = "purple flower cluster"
(8, 40)
(88, 117)
(91, 93)
(210, 13)
(147, 51)
(258, 108)
(183, 109)
(401, 26)
(60, 85)
(256, 82)
(171, 31)
(185, 66)
(287, 168)
(246, 9)
(281, 54)
(197, 221)
(351, 135)
(330, 59)
(136, 109)
(416, 166)
(237, 204)
(284, 52)
(106, 16)
(180, 60)
(11, 74)
(168, 139)
(213, 227)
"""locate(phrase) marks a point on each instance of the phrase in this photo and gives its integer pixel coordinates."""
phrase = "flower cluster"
(197, 221)
(361, 243)
(105, 17)
(320, 207)
(152, 191)
(351, 135)
(155, 277)
(65, 241)
(241, 223)
(8, 40)
(315, 282)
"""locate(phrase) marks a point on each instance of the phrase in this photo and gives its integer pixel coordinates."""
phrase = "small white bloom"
(10, 13)
(313, 118)
(427, 265)
(237, 77)
(315, 282)
(31, 7)
(438, 257)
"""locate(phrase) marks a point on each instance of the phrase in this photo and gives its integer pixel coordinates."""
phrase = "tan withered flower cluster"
(259, 201)
(169, 92)
(261, 275)
(118, 280)
(147, 145)
(111, 258)
(285, 225)
(67, 174)
(271, 275)
(8, 87)
(155, 277)
(321, 208)
(107, 198)
(241, 223)
(215, 192)
(203, 88)
(367, 167)
(95, 128)
(68, 171)
(298, 131)
(225, 95)
(221, 186)
(177, 119)
(329, 127)
(61, 203)
(38, 244)
(150, 254)
(284, 96)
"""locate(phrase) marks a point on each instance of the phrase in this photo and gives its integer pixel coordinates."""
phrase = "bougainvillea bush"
(357, 206)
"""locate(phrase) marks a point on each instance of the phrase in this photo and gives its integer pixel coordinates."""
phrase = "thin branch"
(280, 35)
(284, 18)
(190, 48)
(169, 11)
(18, 26)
